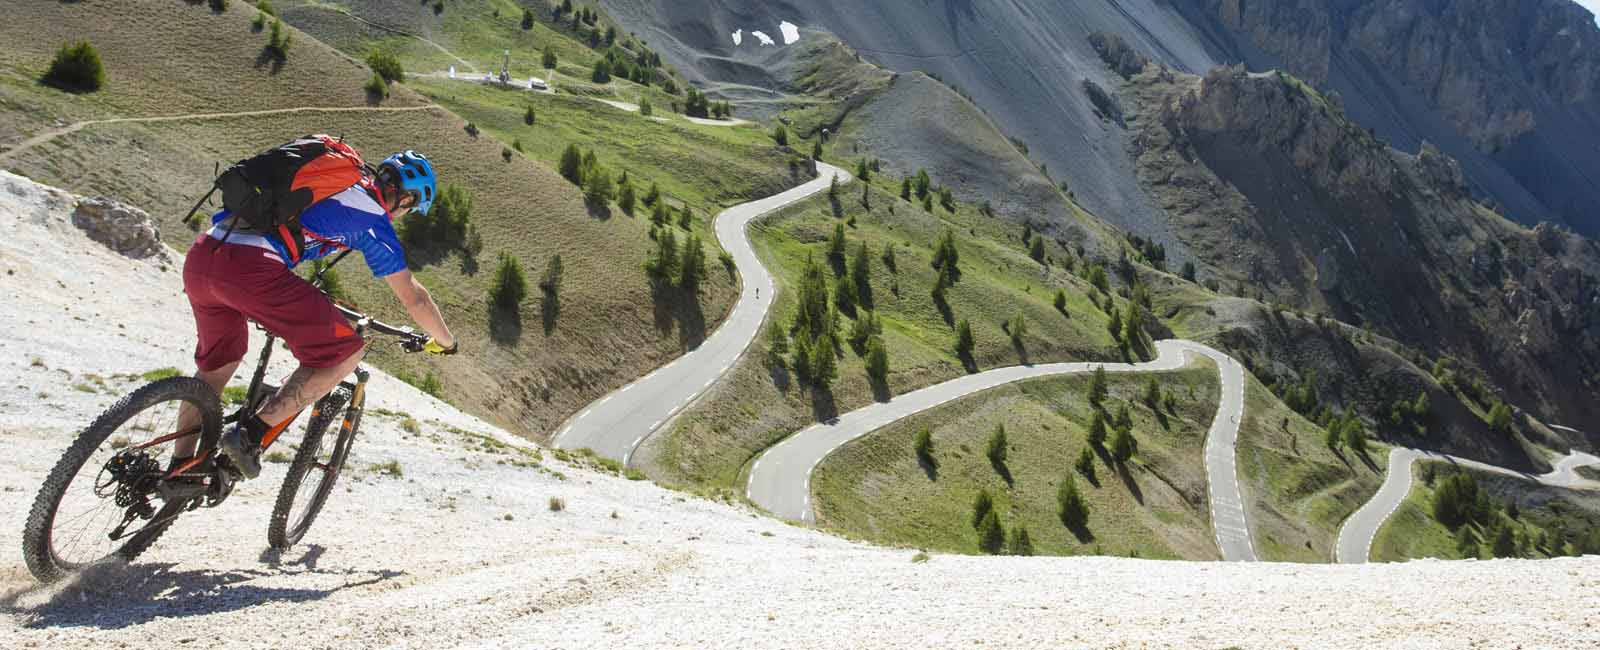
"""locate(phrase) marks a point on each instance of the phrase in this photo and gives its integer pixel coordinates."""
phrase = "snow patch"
(762, 36)
(738, 37)
(791, 33)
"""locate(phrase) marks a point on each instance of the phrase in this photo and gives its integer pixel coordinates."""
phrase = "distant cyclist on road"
(239, 270)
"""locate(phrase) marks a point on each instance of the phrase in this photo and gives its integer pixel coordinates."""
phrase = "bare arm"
(419, 304)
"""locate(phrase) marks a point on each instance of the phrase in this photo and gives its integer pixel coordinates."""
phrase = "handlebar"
(410, 340)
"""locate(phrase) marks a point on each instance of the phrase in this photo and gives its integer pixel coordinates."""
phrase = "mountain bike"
(111, 495)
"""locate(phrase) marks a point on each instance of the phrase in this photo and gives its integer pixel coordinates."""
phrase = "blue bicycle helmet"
(416, 176)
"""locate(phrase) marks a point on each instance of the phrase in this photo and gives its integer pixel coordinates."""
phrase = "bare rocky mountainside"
(1500, 85)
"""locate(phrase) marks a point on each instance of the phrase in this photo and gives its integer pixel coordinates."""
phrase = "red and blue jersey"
(349, 219)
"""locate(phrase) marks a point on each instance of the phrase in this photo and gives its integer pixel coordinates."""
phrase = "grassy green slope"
(875, 488)
(1299, 491)
(758, 405)
(705, 166)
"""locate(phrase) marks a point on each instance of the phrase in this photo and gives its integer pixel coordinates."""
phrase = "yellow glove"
(433, 347)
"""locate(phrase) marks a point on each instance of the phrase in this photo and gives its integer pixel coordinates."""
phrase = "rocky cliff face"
(1272, 184)
(1485, 64)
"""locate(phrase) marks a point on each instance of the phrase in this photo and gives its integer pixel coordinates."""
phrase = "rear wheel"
(104, 499)
(313, 472)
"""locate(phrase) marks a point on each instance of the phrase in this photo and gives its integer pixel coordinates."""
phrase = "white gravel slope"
(431, 560)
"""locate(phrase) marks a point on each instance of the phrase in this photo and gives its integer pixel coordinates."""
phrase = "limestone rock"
(125, 229)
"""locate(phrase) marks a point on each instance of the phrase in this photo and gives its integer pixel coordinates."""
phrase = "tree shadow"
(1022, 353)
(1366, 459)
(115, 595)
(549, 310)
(781, 377)
(1093, 478)
(967, 362)
(1127, 481)
(1003, 470)
(1081, 532)
(505, 325)
(677, 308)
(823, 407)
(469, 263)
(598, 209)
(929, 465)
(268, 58)
(945, 312)
(880, 389)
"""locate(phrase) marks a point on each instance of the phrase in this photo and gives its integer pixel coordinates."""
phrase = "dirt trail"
(76, 126)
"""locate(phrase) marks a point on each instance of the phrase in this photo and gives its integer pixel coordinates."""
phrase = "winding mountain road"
(780, 479)
(615, 425)
(1359, 530)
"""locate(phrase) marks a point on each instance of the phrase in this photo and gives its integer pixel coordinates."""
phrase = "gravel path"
(463, 550)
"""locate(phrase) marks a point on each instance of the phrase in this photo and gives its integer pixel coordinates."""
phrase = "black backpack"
(267, 192)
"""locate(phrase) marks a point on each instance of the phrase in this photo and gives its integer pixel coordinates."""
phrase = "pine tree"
(1465, 544)
(1123, 445)
(658, 215)
(1021, 544)
(780, 135)
(833, 186)
(1152, 394)
(1085, 464)
(923, 445)
(1070, 506)
(1500, 418)
(1505, 545)
(1098, 386)
(816, 149)
(597, 187)
(888, 258)
(602, 72)
(626, 198)
(1061, 301)
(861, 274)
(812, 318)
(572, 164)
(802, 358)
(922, 183)
(862, 171)
(1037, 250)
(844, 296)
(1097, 428)
(1115, 324)
(991, 535)
(693, 263)
(652, 197)
(510, 285)
(996, 448)
(964, 342)
(905, 189)
(824, 368)
(777, 342)
(686, 218)
(877, 360)
(527, 19)
(1018, 328)
(836, 245)
(1355, 437)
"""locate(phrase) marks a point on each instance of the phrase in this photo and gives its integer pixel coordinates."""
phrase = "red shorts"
(232, 283)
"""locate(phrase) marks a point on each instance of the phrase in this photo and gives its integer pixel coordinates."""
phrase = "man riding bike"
(233, 274)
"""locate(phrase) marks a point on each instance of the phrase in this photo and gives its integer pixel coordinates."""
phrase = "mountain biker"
(232, 274)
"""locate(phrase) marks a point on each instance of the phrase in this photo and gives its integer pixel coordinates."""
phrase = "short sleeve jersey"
(349, 219)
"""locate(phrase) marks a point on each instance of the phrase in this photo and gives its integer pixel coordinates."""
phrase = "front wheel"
(313, 472)
(105, 500)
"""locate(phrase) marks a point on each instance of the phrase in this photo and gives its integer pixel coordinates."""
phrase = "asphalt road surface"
(615, 425)
(780, 479)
